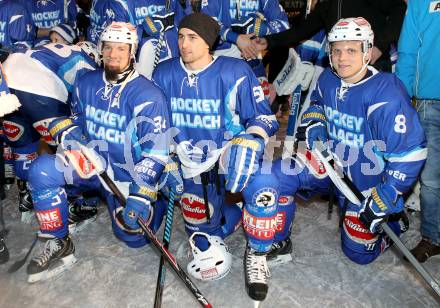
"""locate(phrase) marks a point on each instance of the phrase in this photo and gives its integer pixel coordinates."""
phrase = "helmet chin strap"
(363, 68)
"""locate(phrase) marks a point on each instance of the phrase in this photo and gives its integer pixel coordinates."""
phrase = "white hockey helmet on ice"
(120, 32)
(90, 49)
(352, 29)
(211, 264)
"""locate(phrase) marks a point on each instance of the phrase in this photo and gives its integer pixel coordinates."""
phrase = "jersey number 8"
(400, 126)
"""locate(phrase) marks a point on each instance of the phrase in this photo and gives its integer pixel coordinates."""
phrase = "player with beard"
(113, 109)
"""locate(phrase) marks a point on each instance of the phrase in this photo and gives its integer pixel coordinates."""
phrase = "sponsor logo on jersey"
(265, 197)
(285, 200)
(280, 221)
(356, 231)
(105, 125)
(193, 209)
(434, 7)
(265, 85)
(262, 228)
(50, 220)
(12, 130)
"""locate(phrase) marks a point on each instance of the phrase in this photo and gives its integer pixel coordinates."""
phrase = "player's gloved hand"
(383, 201)
(313, 127)
(64, 130)
(253, 24)
(245, 153)
(157, 23)
(172, 178)
(135, 207)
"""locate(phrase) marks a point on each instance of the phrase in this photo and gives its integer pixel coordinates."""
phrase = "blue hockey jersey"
(104, 12)
(48, 14)
(238, 11)
(375, 132)
(130, 118)
(211, 106)
(50, 70)
(16, 30)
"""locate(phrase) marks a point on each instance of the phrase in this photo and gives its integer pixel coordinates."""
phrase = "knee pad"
(43, 173)
(358, 243)
(259, 214)
(211, 264)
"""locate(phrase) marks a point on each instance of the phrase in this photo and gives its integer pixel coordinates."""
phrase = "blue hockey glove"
(253, 24)
(313, 127)
(246, 151)
(157, 23)
(136, 207)
(383, 201)
(64, 129)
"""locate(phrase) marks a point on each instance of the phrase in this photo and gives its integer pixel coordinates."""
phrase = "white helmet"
(352, 29)
(120, 32)
(211, 264)
(90, 49)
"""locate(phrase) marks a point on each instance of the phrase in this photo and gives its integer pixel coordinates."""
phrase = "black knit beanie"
(204, 25)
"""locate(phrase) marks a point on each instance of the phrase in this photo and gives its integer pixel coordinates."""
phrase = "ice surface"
(108, 274)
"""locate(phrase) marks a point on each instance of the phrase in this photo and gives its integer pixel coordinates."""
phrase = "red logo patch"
(265, 85)
(356, 230)
(259, 227)
(281, 221)
(50, 220)
(193, 208)
(12, 130)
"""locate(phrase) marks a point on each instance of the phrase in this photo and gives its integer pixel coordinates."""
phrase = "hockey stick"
(3, 232)
(294, 110)
(161, 40)
(166, 242)
(351, 192)
(150, 234)
(18, 264)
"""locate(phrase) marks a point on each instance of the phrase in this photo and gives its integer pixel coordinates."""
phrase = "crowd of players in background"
(68, 40)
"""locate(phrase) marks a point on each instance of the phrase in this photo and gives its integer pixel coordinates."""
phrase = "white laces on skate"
(258, 271)
(50, 248)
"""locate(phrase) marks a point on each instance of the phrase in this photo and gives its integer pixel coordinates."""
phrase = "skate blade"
(279, 260)
(67, 262)
(78, 227)
(27, 217)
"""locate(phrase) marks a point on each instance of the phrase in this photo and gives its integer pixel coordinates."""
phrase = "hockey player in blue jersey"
(47, 14)
(104, 12)
(16, 30)
(374, 134)
(42, 79)
(223, 123)
(116, 109)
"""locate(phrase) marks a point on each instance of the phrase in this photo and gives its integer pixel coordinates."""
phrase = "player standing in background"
(104, 12)
(46, 14)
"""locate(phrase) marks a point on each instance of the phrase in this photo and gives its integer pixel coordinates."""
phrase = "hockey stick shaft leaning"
(347, 186)
(166, 242)
(17, 265)
(294, 110)
(89, 154)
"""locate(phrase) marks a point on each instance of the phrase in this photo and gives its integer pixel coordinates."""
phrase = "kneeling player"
(374, 133)
(114, 109)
